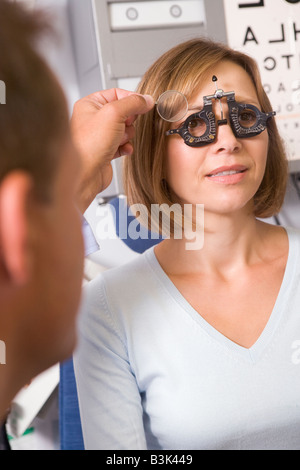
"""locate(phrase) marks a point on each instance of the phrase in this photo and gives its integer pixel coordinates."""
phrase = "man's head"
(41, 249)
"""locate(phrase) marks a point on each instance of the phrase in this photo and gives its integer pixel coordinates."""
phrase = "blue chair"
(69, 418)
(70, 425)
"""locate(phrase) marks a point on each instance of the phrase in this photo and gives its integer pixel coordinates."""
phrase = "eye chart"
(269, 31)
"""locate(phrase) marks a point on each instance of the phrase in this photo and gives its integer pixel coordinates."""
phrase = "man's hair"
(34, 120)
(184, 68)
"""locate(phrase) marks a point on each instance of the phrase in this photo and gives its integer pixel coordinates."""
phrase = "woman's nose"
(226, 141)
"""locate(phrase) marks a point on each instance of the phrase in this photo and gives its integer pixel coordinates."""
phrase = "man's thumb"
(134, 105)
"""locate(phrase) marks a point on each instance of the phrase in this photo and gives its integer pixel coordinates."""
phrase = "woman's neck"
(229, 243)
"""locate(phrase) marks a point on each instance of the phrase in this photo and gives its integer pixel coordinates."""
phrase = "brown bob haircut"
(183, 68)
(34, 121)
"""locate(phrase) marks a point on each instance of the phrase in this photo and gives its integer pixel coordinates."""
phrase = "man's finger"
(132, 105)
(126, 149)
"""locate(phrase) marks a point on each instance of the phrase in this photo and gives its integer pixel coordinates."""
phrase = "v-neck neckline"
(253, 353)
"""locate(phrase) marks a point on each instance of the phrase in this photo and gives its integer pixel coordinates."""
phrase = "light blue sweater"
(152, 373)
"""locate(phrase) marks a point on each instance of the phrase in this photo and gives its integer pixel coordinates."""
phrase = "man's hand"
(102, 127)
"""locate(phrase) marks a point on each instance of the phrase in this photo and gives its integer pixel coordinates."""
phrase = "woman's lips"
(228, 174)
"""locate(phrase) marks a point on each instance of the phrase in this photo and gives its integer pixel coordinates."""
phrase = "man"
(47, 172)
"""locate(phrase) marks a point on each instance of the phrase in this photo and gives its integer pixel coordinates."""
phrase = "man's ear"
(15, 251)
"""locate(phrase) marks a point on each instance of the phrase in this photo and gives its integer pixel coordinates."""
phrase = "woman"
(193, 349)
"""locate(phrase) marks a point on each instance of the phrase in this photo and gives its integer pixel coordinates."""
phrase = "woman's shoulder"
(294, 245)
(132, 277)
(284, 244)
(281, 235)
(128, 272)
(293, 233)
(122, 295)
(291, 237)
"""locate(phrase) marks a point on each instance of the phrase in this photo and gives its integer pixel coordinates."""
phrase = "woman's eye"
(197, 127)
(193, 123)
(247, 118)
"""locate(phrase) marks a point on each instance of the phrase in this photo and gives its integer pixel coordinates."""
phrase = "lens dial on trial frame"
(247, 120)
(199, 129)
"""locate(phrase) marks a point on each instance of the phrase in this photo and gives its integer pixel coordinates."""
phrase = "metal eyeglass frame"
(208, 116)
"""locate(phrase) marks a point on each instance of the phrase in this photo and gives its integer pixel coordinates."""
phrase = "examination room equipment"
(111, 43)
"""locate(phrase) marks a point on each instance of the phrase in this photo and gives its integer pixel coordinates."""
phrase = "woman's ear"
(15, 250)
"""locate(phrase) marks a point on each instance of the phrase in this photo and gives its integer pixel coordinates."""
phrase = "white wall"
(60, 54)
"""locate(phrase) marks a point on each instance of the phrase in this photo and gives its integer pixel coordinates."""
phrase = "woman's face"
(195, 175)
